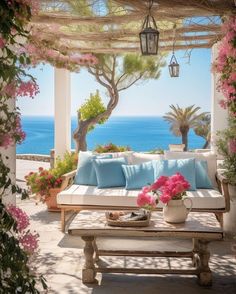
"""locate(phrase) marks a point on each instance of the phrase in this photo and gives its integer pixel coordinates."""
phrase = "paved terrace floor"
(60, 260)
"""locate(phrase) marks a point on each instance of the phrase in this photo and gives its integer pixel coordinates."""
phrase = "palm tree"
(182, 120)
(203, 129)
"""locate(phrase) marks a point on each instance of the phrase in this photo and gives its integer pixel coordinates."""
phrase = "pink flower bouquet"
(146, 200)
(165, 189)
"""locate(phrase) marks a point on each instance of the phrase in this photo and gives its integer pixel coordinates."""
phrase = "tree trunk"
(206, 144)
(81, 131)
(79, 135)
(185, 140)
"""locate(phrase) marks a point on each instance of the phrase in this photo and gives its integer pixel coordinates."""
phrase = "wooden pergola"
(113, 26)
(89, 26)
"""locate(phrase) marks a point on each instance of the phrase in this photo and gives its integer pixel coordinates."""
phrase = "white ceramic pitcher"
(175, 211)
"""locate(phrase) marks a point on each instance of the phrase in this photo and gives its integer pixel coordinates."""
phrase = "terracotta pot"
(175, 211)
(51, 200)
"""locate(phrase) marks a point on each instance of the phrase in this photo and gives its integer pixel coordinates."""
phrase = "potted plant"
(46, 184)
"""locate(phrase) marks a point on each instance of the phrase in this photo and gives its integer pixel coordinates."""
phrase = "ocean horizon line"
(113, 116)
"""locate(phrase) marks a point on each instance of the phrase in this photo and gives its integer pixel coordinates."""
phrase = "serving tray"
(124, 222)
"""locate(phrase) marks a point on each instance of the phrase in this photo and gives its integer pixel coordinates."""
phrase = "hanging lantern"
(174, 67)
(149, 36)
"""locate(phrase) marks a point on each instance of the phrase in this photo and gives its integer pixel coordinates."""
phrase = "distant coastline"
(140, 133)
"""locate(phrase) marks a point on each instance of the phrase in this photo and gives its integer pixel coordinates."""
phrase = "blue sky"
(151, 98)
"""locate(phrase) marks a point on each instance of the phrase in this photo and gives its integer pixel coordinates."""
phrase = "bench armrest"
(67, 180)
(223, 187)
(220, 176)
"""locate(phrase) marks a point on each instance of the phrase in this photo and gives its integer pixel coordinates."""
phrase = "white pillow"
(138, 158)
(210, 157)
(126, 154)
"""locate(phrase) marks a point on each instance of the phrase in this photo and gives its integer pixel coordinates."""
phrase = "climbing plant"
(16, 242)
(225, 67)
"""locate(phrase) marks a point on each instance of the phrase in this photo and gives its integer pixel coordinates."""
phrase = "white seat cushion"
(91, 195)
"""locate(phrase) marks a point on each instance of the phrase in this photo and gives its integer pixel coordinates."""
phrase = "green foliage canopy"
(91, 108)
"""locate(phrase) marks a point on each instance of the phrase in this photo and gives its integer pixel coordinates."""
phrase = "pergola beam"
(73, 36)
(215, 7)
(64, 18)
(161, 13)
(119, 33)
(113, 50)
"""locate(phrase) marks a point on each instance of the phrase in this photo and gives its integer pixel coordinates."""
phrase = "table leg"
(96, 258)
(195, 257)
(88, 272)
(205, 276)
(63, 220)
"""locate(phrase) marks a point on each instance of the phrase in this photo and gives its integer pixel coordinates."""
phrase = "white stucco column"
(218, 114)
(62, 112)
(9, 158)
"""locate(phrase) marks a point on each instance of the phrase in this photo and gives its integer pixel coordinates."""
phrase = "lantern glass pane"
(152, 43)
(143, 43)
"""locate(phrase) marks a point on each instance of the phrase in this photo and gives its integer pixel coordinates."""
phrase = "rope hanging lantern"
(174, 66)
(149, 36)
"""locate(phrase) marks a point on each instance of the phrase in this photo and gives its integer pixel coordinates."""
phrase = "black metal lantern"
(149, 36)
(174, 67)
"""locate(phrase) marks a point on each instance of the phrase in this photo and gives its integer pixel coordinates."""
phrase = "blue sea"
(139, 133)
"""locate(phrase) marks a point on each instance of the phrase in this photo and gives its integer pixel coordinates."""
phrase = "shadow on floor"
(46, 217)
(71, 242)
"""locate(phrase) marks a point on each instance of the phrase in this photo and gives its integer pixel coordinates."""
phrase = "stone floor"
(60, 260)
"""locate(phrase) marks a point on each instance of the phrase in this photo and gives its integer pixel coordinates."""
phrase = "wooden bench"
(69, 178)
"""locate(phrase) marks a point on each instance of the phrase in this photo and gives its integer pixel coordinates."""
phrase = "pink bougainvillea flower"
(6, 140)
(29, 242)
(232, 146)
(146, 200)
(223, 103)
(165, 198)
(173, 187)
(19, 216)
(146, 189)
(2, 43)
(33, 4)
(159, 183)
(29, 88)
(224, 65)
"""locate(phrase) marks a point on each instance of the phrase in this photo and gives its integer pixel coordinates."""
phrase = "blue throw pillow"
(109, 172)
(170, 167)
(138, 175)
(202, 179)
(86, 174)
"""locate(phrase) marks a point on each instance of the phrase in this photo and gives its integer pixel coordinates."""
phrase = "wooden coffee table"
(200, 227)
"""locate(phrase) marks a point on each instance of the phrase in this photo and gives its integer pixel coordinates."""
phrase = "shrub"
(42, 181)
(111, 148)
(156, 151)
(65, 165)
